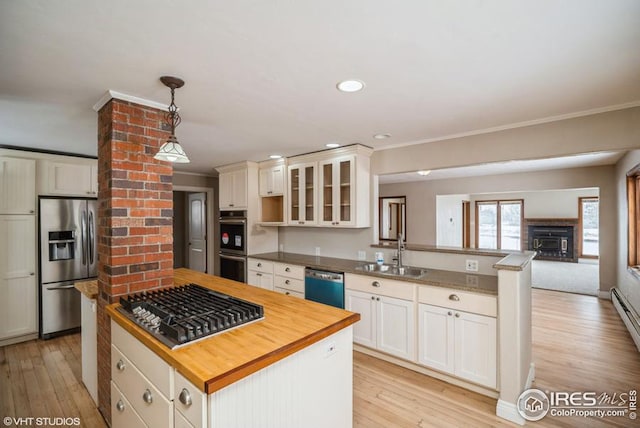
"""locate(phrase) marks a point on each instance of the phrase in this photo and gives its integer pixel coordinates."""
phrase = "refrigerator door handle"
(91, 237)
(83, 235)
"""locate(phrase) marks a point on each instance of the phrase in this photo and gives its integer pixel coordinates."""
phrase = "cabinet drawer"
(151, 365)
(289, 292)
(122, 413)
(380, 286)
(288, 270)
(152, 406)
(289, 283)
(260, 265)
(461, 300)
(190, 402)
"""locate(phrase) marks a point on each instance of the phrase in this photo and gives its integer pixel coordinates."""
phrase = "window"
(633, 206)
(499, 224)
(589, 236)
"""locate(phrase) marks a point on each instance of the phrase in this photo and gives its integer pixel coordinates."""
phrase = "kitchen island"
(292, 368)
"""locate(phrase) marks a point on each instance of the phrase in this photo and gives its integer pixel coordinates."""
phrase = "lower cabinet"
(386, 323)
(459, 343)
(260, 273)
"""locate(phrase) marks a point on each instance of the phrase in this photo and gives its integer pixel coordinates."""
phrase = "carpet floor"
(581, 278)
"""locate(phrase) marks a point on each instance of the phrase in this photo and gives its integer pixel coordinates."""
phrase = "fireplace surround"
(552, 239)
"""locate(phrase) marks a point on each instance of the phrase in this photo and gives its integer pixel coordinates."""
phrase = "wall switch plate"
(317, 251)
(472, 265)
(362, 255)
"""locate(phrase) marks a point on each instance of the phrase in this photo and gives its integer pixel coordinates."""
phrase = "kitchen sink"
(392, 270)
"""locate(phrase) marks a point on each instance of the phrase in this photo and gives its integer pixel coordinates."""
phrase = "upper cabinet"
(272, 181)
(233, 189)
(69, 179)
(330, 188)
(302, 194)
(17, 186)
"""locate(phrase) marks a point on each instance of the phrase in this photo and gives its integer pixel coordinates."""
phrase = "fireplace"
(553, 239)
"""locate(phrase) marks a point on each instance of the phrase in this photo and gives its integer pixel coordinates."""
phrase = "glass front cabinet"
(302, 194)
(337, 195)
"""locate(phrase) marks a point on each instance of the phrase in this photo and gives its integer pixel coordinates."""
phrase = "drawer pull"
(454, 297)
(287, 269)
(120, 406)
(147, 397)
(449, 313)
(375, 284)
(287, 282)
(457, 315)
(185, 397)
(120, 365)
(258, 274)
(373, 297)
(259, 264)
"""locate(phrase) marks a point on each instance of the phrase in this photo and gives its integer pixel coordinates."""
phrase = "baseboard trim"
(509, 411)
(531, 377)
(18, 339)
(606, 295)
(425, 371)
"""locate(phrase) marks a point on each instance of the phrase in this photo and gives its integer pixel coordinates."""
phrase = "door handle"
(83, 236)
(91, 237)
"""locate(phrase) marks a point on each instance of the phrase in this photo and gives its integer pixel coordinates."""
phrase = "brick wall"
(135, 216)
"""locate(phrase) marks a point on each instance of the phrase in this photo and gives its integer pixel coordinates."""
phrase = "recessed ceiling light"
(423, 172)
(381, 136)
(351, 85)
(332, 145)
(275, 156)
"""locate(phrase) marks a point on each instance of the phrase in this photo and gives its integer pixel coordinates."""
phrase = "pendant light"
(172, 151)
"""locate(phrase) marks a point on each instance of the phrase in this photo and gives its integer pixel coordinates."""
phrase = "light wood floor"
(580, 344)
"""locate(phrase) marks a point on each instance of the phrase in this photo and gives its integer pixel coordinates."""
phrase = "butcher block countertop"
(88, 288)
(289, 325)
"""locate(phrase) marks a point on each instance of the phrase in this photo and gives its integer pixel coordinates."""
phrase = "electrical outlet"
(318, 251)
(472, 265)
(362, 255)
(472, 280)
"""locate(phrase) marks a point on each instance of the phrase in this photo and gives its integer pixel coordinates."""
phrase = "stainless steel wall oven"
(233, 245)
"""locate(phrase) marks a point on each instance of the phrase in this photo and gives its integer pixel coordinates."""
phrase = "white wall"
(629, 285)
(421, 202)
(449, 223)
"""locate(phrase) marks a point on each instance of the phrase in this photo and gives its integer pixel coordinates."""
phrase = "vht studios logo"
(534, 404)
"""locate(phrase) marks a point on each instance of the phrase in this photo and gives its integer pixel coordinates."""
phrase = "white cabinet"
(17, 186)
(272, 180)
(142, 381)
(459, 343)
(302, 194)
(387, 311)
(337, 195)
(260, 273)
(190, 404)
(289, 279)
(69, 179)
(18, 291)
(233, 190)
(89, 345)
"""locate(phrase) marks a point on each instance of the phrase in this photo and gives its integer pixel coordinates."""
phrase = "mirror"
(392, 217)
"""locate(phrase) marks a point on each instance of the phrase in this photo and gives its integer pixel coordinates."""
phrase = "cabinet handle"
(147, 397)
(89, 193)
(457, 315)
(258, 274)
(32, 273)
(230, 205)
(120, 365)
(185, 397)
(259, 265)
(449, 313)
(287, 269)
(120, 406)
(287, 282)
(301, 222)
(373, 297)
(286, 293)
(378, 299)
(375, 284)
(454, 297)
(31, 211)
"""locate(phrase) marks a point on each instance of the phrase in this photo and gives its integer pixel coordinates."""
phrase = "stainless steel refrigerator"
(67, 254)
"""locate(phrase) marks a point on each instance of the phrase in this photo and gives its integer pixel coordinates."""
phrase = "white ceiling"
(261, 75)
(510, 167)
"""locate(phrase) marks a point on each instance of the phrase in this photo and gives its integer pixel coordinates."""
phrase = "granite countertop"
(486, 284)
(88, 288)
(442, 249)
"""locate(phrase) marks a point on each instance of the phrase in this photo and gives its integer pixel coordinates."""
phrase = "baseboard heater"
(628, 315)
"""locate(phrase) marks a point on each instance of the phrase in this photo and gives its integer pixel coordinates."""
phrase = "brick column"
(135, 216)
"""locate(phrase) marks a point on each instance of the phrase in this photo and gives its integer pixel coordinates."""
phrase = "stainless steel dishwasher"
(324, 287)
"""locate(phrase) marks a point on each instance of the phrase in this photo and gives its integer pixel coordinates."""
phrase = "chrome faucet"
(400, 250)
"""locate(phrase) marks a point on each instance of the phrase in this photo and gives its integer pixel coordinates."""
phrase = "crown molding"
(110, 94)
